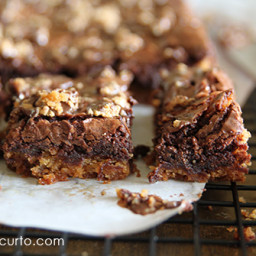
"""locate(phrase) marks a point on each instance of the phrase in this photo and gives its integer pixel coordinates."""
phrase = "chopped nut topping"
(10, 49)
(105, 109)
(100, 94)
(112, 88)
(128, 41)
(108, 72)
(108, 16)
(146, 18)
(80, 15)
(57, 102)
(52, 103)
(144, 193)
(176, 123)
(164, 24)
(182, 68)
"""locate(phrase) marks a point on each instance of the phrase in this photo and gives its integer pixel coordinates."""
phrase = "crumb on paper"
(199, 195)
(143, 203)
(181, 194)
(103, 192)
(144, 193)
(241, 199)
(249, 234)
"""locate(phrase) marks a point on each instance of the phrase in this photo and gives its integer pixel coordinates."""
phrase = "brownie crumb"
(241, 199)
(142, 203)
(103, 192)
(249, 234)
(249, 215)
(141, 151)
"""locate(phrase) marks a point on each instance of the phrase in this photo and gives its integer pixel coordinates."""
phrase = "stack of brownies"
(67, 69)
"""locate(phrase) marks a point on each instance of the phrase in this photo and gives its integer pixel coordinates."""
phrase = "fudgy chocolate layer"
(71, 139)
(200, 133)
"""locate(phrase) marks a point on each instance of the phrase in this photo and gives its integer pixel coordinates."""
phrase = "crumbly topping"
(105, 109)
(53, 103)
(128, 41)
(24, 87)
(60, 31)
(57, 102)
(176, 123)
(11, 49)
(79, 15)
(164, 23)
(96, 94)
(108, 16)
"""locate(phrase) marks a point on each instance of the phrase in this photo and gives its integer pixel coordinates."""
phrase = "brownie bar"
(61, 127)
(76, 36)
(200, 134)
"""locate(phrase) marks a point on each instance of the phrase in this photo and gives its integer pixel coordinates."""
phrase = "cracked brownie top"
(103, 93)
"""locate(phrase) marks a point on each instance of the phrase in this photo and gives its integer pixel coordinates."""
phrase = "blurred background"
(232, 27)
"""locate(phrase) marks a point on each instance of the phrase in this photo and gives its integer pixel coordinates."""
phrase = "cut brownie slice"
(200, 134)
(62, 128)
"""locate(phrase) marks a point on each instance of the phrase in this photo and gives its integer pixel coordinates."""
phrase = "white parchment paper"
(78, 205)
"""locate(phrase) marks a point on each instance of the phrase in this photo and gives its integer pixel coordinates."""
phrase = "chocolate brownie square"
(61, 127)
(200, 134)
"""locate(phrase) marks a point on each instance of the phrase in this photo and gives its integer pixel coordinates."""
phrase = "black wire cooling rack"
(201, 232)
